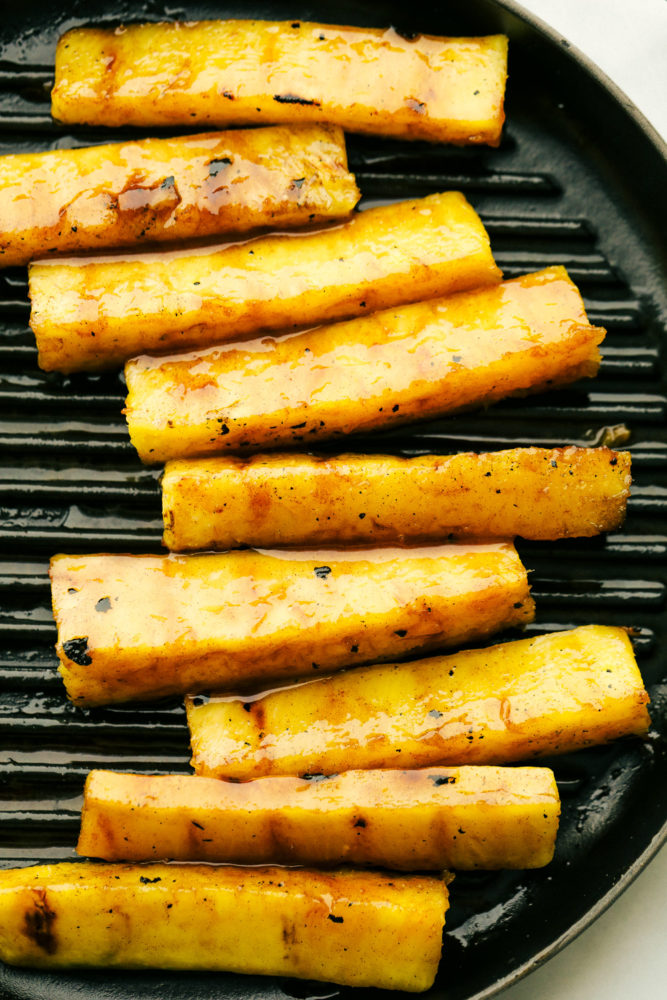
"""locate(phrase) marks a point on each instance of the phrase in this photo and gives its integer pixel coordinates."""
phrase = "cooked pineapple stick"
(514, 701)
(431, 819)
(354, 928)
(254, 72)
(147, 626)
(171, 189)
(419, 361)
(89, 315)
(223, 502)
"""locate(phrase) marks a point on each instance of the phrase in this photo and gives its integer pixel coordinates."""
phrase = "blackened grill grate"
(69, 481)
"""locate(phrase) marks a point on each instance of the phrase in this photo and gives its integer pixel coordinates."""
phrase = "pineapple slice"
(91, 315)
(130, 193)
(423, 360)
(348, 927)
(285, 499)
(514, 701)
(255, 72)
(147, 626)
(430, 819)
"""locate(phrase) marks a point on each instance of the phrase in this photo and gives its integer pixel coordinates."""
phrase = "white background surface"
(623, 956)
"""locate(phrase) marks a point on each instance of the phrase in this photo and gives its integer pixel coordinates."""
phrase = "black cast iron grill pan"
(578, 180)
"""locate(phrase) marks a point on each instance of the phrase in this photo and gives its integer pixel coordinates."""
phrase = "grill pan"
(578, 180)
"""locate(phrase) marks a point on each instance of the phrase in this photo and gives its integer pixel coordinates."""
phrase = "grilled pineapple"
(221, 502)
(95, 315)
(514, 701)
(431, 819)
(171, 189)
(254, 72)
(354, 928)
(147, 626)
(403, 364)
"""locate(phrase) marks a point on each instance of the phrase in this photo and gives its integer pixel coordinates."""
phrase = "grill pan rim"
(659, 840)
(592, 69)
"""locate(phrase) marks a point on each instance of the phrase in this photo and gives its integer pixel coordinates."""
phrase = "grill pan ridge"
(561, 189)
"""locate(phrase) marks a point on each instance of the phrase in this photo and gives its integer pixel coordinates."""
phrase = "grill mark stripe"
(401, 185)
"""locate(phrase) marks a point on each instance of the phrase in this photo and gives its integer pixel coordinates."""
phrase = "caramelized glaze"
(255, 72)
(95, 315)
(429, 819)
(286, 499)
(171, 189)
(514, 701)
(147, 626)
(419, 361)
(356, 928)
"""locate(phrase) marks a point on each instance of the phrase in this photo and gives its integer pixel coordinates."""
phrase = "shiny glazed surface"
(419, 361)
(254, 72)
(147, 626)
(286, 499)
(513, 701)
(96, 315)
(171, 189)
(357, 928)
(430, 819)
